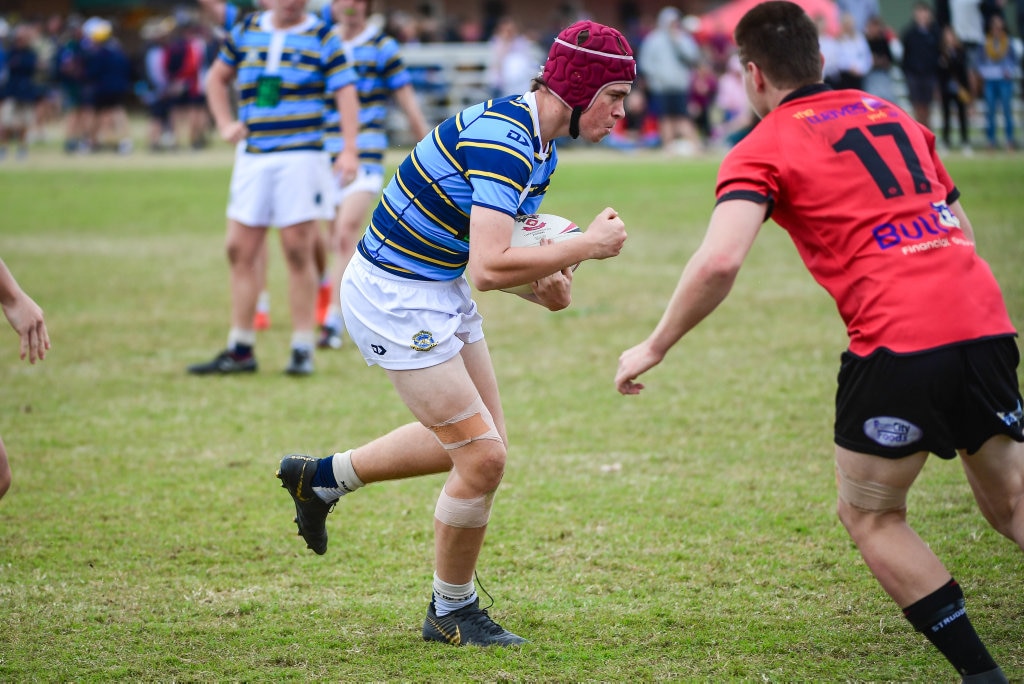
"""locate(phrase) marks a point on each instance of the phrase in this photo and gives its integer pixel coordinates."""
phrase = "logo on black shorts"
(891, 432)
(423, 341)
(1012, 418)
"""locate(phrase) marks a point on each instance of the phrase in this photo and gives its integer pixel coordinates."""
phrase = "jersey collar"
(805, 91)
(267, 24)
(530, 99)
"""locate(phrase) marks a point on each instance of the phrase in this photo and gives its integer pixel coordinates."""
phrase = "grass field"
(686, 534)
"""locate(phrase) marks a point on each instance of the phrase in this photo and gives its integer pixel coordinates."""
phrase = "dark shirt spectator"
(920, 64)
(21, 72)
(109, 73)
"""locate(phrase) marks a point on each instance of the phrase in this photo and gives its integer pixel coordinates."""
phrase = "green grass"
(688, 533)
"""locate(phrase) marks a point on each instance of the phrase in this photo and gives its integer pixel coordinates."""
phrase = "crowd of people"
(954, 60)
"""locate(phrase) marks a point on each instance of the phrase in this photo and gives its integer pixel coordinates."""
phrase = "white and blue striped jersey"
(488, 155)
(312, 65)
(377, 60)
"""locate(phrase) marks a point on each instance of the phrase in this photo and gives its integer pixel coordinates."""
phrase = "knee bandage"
(468, 426)
(464, 512)
(872, 497)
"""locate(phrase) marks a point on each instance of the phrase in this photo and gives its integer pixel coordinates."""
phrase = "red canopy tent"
(723, 20)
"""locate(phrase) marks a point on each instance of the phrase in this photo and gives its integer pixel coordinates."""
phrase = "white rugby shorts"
(279, 189)
(365, 181)
(402, 324)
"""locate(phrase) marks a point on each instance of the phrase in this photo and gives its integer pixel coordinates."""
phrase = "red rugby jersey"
(856, 183)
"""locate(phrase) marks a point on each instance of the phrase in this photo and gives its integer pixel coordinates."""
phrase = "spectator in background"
(514, 60)
(666, 59)
(829, 45)
(954, 88)
(46, 41)
(860, 10)
(966, 19)
(5, 30)
(702, 98)
(108, 78)
(154, 91)
(185, 55)
(921, 42)
(737, 117)
(996, 65)
(69, 66)
(878, 80)
(17, 113)
(853, 54)
(992, 8)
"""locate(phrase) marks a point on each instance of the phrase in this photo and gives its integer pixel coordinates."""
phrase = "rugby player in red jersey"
(932, 359)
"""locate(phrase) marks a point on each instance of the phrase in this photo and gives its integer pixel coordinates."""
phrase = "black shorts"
(955, 397)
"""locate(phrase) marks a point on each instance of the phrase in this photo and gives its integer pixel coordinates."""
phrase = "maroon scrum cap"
(585, 58)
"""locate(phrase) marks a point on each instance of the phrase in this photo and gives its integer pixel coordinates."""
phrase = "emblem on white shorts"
(423, 341)
(891, 432)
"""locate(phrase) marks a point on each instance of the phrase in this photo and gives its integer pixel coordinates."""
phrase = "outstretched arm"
(24, 315)
(704, 284)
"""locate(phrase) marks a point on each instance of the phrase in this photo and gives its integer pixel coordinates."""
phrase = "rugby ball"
(530, 229)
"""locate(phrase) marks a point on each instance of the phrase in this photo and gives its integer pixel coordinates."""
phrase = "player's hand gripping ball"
(530, 229)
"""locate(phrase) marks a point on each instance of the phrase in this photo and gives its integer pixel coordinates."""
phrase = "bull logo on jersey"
(423, 341)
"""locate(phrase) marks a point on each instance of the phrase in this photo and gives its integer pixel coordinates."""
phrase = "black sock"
(941, 617)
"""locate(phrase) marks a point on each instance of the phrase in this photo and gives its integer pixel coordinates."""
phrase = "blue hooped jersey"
(488, 155)
(282, 101)
(377, 60)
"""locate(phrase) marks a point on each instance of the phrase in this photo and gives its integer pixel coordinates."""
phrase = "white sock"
(303, 339)
(451, 597)
(263, 303)
(333, 318)
(241, 336)
(345, 477)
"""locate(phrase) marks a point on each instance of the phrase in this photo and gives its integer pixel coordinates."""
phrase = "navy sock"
(242, 350)
(942, 618)
(324, 476)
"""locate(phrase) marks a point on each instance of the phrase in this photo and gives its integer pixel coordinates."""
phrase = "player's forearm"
(219, 102)
(406, 98)
(348, 109)
(9, 288)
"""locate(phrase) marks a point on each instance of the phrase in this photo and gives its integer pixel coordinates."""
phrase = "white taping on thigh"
(873, 497)
(474, 423)
(466, 513)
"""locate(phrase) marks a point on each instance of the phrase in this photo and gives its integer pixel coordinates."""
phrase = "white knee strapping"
(463, 512)
(474, 423)
(873, 497)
